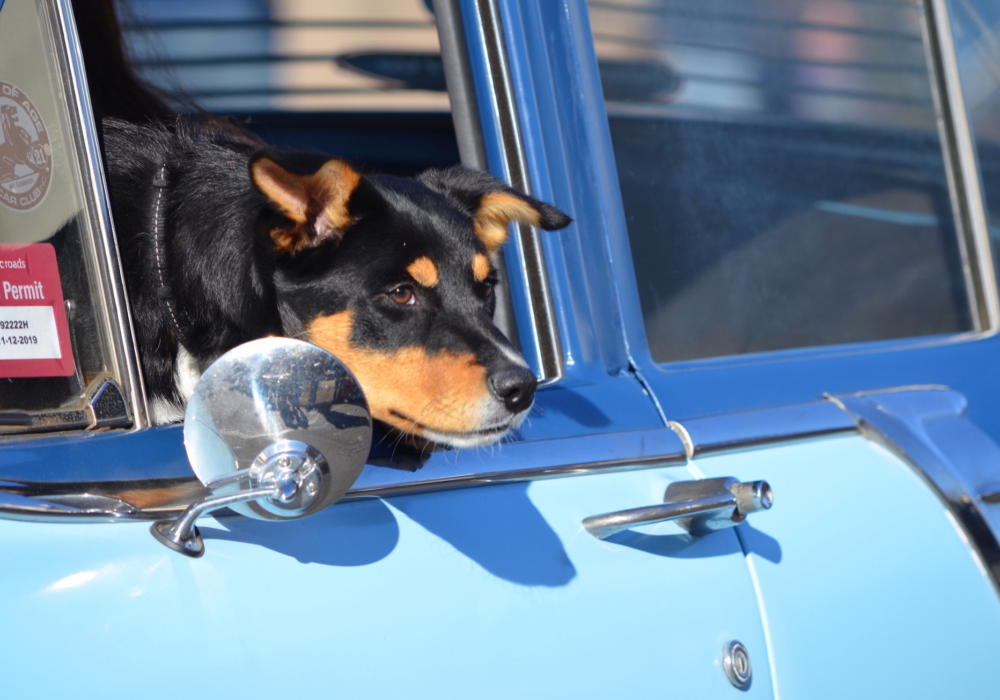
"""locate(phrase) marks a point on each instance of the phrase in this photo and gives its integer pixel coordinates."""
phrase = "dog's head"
(394, 276)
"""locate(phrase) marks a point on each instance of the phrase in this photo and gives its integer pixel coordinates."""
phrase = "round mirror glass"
(263, 405)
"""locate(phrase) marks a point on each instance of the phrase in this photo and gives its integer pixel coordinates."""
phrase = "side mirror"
(277, 429)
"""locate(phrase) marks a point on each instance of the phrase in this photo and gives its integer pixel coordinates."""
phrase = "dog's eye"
(487, 287)
(402, 295)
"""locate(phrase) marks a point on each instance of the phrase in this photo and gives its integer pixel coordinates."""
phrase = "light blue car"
(763, 460)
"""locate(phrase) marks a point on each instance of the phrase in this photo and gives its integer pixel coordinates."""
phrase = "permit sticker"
(34, 334)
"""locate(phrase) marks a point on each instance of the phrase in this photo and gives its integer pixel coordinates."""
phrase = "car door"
(470, 575)
(774, 178)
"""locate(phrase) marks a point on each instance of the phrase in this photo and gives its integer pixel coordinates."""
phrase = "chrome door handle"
(699, 506)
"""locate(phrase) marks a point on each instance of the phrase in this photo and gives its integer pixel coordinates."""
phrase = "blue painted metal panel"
(118, 455)
(867, 588)
(928, 428)
(493, 592)
(562, 118)
(774, 379)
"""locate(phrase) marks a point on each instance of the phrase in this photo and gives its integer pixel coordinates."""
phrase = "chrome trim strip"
(118, 324)
(85, 505)
(959, 151)
(514, 462)
(547, 346)
(96, 501)
(514, 475)
(927, 427)
(15, 506)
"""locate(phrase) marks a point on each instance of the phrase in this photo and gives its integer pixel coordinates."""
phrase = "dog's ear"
(316, 204)
(491, 204)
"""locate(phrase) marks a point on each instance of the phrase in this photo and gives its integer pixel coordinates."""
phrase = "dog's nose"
(515, 386)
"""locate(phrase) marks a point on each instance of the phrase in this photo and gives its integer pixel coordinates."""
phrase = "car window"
(358, 80)
(62, 353)
(363, 82)
(976, 28)
(781, 173)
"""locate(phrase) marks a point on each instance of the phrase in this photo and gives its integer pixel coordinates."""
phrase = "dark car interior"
(130, 78)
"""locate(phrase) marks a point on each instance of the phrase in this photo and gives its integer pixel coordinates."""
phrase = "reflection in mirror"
(277, 429)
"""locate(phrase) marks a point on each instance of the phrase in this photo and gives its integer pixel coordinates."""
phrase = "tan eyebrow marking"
(480, 267)
(424, 271)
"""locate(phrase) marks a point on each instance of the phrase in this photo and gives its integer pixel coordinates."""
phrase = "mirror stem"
(182, 535)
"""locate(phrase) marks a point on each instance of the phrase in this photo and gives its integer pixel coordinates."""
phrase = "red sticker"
(34, 334)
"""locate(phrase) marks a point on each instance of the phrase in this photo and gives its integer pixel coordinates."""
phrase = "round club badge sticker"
(25, 154)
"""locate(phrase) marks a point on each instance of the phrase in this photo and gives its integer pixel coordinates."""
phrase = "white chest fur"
(186, 375)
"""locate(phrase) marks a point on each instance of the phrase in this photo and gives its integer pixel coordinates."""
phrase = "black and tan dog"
(224, 241)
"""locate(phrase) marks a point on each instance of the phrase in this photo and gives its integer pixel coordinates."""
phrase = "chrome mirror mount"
(277, 429)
